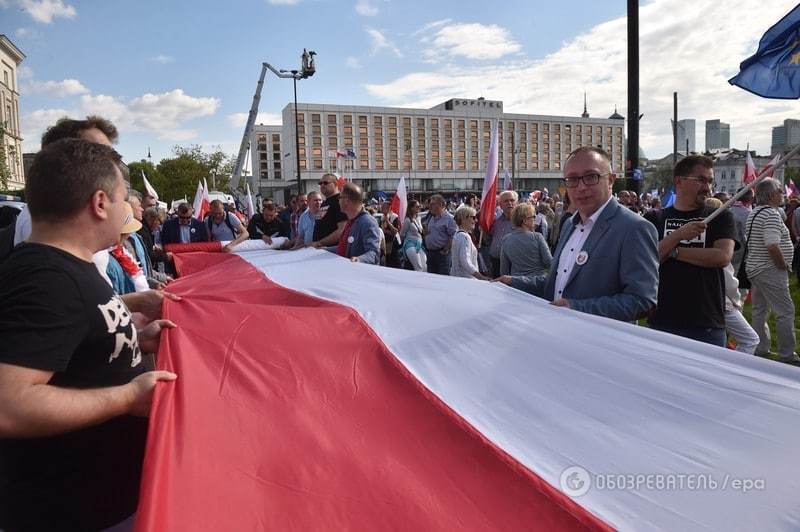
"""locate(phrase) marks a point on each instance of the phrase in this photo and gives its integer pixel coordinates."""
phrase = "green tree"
(153, 175)
(5, 169)
(217, 163)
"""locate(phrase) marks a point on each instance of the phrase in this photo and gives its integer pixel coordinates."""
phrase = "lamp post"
(307, 70)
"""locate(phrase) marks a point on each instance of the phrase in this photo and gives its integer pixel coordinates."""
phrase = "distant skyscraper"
(718, 135)
(686, 130)
(785, 136)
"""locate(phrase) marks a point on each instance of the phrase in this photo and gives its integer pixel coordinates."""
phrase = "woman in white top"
(464, 255)
(411, 235)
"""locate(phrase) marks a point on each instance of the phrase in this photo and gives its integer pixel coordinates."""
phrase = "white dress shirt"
(571, 250)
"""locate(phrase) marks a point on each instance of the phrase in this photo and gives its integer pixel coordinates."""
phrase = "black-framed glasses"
(708, 181)
(589, 179)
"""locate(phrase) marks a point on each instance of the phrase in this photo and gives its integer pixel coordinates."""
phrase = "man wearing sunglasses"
(184, 228)
(330, 219)
(606, 259)
(691, 291)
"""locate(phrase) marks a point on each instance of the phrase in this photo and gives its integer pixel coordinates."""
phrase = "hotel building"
(441, 149)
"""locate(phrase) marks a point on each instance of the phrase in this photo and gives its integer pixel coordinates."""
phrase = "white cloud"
(46, 10)
(162, 59)
(695, 63)
(352, 62)
(472, 41)
(22, 32)
(365, 9)
(284, 2)
(239, 120)
(35, 123)
(379, 42)
(166, 115)
(66, 87)
(24, 72)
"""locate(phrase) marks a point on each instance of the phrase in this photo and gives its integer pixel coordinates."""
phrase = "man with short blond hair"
(224, 226)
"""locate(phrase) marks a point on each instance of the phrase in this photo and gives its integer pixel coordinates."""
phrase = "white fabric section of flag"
(749, 170)
(205, 191)
(148, 187)
(507, 184)
(257, 245)
(769, 169)
(555, 388)
(401, 197)
(197, 204)
(251, 211)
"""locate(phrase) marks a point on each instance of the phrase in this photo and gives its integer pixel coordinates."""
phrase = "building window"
(315, 118)
(379, 164)
(317, 164)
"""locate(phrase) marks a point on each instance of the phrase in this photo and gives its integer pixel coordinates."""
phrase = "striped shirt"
(765, 227)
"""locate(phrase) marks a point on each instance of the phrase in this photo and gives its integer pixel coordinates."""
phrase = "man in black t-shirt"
(330, 219)
(691, 285)
(75, 386)
(266, 225)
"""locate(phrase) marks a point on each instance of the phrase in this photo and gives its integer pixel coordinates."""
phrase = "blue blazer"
(365, 239)
(620, 278)
(171, 232)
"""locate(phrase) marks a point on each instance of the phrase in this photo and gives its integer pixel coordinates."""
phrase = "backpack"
(227, 222)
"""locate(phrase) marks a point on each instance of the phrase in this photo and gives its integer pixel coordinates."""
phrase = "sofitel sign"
(479, 103)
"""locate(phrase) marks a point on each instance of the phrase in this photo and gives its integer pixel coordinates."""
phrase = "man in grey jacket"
(360, 240)
(606, 260)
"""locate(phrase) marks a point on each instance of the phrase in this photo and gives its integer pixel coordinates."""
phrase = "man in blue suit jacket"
(361, 238)
(606, 260)
(184, 229)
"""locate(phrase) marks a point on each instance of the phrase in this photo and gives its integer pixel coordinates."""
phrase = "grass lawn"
(795, 290)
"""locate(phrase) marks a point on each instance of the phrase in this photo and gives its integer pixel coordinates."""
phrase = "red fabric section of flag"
(488, 205)
(194, 246)
(313, 425)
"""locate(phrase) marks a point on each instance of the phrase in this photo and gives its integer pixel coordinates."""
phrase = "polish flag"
(769, 169)
(400, 200)
(251, 211)
(489, 194)
(149, 188)
(410, 417)
(201, 203)
(749, 170)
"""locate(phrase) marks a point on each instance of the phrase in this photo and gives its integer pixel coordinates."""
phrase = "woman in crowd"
(411, 235)
(464, 254)
(524, 252)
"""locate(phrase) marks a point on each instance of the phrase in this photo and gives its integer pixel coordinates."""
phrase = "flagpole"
(759, 178)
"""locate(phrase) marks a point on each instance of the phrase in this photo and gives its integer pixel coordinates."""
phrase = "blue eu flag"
(774, 70)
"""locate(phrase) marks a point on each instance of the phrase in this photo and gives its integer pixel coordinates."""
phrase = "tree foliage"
(177, 177)
(5, 169)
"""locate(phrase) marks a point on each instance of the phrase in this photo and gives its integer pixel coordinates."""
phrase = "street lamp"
(308, 70)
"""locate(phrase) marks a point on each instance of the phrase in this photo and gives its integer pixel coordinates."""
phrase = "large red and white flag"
(489, 194)
(201, 203)
(400, 200)
(359, 408)
(749, 170)
(149, 188)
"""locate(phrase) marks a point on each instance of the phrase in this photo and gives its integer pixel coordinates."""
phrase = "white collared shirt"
(571, 249)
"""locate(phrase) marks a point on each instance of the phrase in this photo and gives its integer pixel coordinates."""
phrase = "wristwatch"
(673, 254)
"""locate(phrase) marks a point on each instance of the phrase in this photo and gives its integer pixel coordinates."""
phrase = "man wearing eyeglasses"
(330, 219)
(691, 291)
(606, 259)
(183, 229)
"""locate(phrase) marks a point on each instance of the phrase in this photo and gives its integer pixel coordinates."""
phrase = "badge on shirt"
(192, 230)
(582, 257)
(350, 239)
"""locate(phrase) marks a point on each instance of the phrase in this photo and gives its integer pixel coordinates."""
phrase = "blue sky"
(184, 72)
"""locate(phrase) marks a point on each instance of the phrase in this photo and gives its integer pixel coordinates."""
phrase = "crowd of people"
(82, 288)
